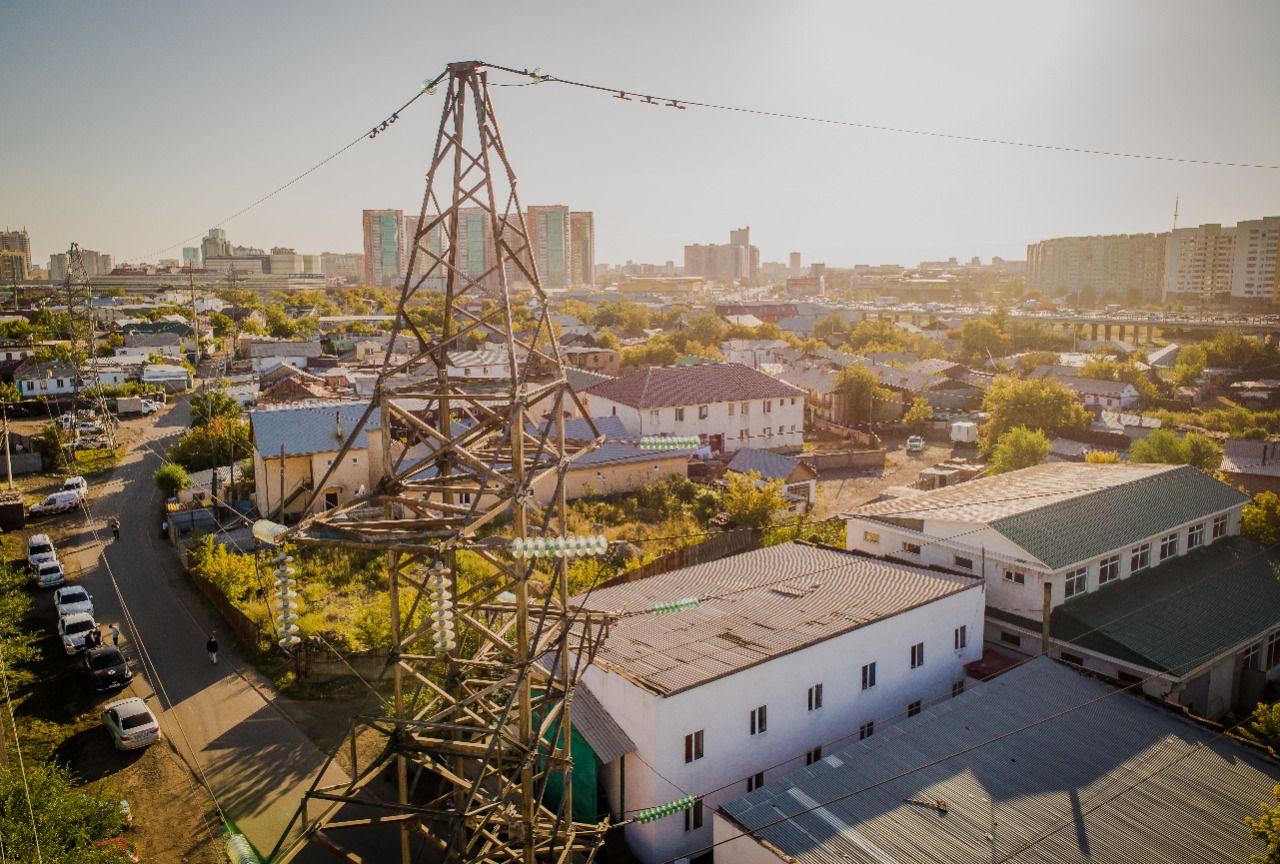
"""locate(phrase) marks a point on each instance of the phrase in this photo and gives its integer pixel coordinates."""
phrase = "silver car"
(72, 599)
(50, 574)
(74, 630)
(131, 723)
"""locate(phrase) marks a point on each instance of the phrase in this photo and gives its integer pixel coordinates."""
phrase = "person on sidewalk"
(212, 647)
(115, 635)
(93, 639)
(115, 527)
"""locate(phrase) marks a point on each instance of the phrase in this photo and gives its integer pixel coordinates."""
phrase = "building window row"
(1077, 582)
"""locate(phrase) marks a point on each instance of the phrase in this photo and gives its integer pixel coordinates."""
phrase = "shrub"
(172, 477)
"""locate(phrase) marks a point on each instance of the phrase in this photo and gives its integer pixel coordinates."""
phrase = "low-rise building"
(788, 649)
(606, 361)
(1252, 465)
(728, 405)
(50, 378)
(266, 355)
(799, 480)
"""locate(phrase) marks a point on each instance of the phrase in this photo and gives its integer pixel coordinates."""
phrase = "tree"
(171, 478)
(230, 572)
(919, 413)
(1106, 369)
(1266, 827)
(706, 328)
(1102, 457)
(68, 820)
(1043, 404)
(752, 502)
(1264, 725)
(1260, 521)
(1164, 446)
(858, 388)
(981, 339)
(208, 404)
(1020, 447)
(1203, 452)
(216, 443)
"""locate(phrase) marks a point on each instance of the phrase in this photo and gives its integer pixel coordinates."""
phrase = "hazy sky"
(128, 126)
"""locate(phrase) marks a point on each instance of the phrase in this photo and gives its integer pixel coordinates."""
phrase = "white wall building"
(482, 365)
(1255, 264)
(727, 404)
(266, 356)
(791, 649)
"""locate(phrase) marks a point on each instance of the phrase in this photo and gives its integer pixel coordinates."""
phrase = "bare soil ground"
(842, 491)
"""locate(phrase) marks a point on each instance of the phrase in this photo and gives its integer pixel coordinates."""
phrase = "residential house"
(1094, 393)
(300, 387)
(489, 364)
(753, 352)
(167, 324)
(788, 649)
(616, 466)
(572, 326)
(742, 320)
(165, 343)
(799, 479)
(42, 379)
(727, 404)
(1252, 465)
(12, 349)
(266, 355)
(171, 377)
(606, 361)
(1042, 763)
(242, 316)
(1133, 427)
(294, 446)
(1086, 539)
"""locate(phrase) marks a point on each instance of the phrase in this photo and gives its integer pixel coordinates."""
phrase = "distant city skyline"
(657, 179)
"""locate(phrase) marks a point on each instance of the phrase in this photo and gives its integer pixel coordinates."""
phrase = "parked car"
(74, 629)
(131, 723)
(107, 668)
(50, 574)
(76, 484)
(58, 502)
(40, 549)
(73, 598)
(915, 444)
(93, 442)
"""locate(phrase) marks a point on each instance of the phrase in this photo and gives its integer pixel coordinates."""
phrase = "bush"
(215, 443)
(1020, 447)
(172, 477)
(233, 574)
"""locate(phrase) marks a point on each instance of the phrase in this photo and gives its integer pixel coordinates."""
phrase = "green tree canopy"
(1260, 521)
(980, 339)
(171, 477)
(208, 404)
(752, 502)
(69, 820)
(1042, 404)
(858, 389)
(1266, 828)
(216, 443)
(1020, 447)
(1164, 446)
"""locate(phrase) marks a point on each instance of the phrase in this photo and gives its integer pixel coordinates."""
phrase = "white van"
(58, 502)
(39, 550)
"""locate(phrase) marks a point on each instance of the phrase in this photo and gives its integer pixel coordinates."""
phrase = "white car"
(74, 630)
(131, 723)
(50, 574)
(58, 502)
(39, 550)
(72, 599)
(77, 485)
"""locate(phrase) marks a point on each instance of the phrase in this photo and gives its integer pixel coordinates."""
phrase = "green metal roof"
(1172, 618)
(1084, 527)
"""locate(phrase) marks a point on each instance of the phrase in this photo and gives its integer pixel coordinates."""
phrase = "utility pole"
(477, 725)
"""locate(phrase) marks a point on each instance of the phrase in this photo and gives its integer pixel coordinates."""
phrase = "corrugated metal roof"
(596, 725)
(757, 605)
(306, 428)
(1098, 780)
(658, 387)
(1063, 512)
(770, 466)
(1171, 619)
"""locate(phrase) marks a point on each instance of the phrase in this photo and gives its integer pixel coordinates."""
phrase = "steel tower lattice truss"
(477, 715)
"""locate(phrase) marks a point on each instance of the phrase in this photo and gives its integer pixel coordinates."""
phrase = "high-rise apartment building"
(1255, 268)
(1123, 267)
(348, 267)
(191, 256)
(383, 247)
(433, 243)
(18, 245)
(13, 266)
(1198, 264)
(95, 264)
(794, 264)
(737, 259)
(215, 244)
(551, 243)
(582, 236)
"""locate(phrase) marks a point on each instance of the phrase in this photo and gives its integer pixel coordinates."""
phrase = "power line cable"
(680, 103)
(17, 746)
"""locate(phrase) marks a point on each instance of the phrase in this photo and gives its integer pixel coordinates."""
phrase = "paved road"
(222, 719)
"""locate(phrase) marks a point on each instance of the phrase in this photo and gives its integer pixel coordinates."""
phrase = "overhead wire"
(22, 768)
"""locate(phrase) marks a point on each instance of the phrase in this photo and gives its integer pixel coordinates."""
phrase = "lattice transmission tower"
(475, 730)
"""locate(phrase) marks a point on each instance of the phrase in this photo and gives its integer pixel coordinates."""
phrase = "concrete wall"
(608, 479)
(846, 460)
(721, 709)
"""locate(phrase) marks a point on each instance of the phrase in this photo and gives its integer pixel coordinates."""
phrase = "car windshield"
(51, 567)
(76, 596)
(133, 721)
(106, 660)
(79, 626)
(41, 549)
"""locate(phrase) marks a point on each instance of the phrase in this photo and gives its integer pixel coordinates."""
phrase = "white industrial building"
(789, 650)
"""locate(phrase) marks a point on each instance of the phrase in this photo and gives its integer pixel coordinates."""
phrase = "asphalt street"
(222, 719)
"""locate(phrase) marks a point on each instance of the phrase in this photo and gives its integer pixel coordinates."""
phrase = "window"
(615, 410)
(768, 406)
(913, 548)
(1168, 546)
(1010, 638)
(679, 414)
(1195, 536)
(768, 430)
(1140, 558)
(815, 697)
(866, 730)
(703, 411)
(793, 400)
(59, 382)
(31, 385)
(1253, 658)
(330, 500)
(355, 460)
(1015, 577)
(746, 409)
(962, 636)
(755, 781)
(1077, 582)
(1073, 659)
(957, 688)
(868, 676)
(870, 537)
(1108, 569)
(913, 709)
(1273, 650)
(813, 755)
(732, 406)
(693, 816)
(966, 563)
(653, 416)
(693, 746)
(1219, 527)
(742, 434)
(760, 720)
(917, 655)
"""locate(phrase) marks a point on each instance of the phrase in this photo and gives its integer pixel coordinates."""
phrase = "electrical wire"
(680, 103)
(17, 746)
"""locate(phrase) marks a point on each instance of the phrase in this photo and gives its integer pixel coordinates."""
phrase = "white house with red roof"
(727, 404)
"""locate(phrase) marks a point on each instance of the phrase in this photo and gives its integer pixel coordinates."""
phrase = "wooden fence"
(712, 549)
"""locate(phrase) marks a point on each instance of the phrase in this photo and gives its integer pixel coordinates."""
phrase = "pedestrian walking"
(115, 635)
(115, 527)
(212, 647)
